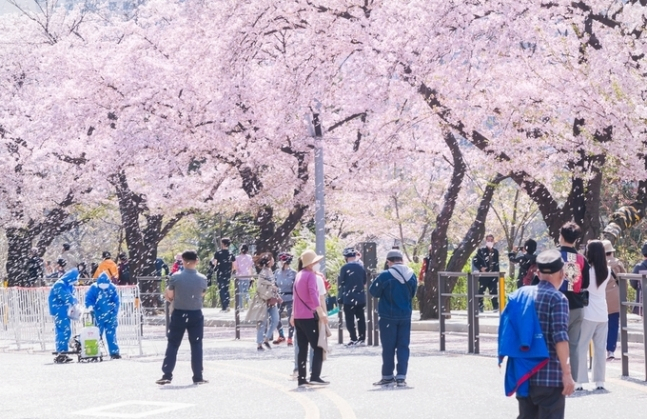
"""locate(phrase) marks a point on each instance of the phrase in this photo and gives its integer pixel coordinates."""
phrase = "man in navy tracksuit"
(395, 287)
(351, 282)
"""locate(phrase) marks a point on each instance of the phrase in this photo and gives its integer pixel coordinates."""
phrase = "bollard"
(472, 309)
(502, 292)
(369, 311)
(237, 308)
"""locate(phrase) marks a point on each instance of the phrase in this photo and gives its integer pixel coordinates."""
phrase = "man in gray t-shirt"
(185, 290)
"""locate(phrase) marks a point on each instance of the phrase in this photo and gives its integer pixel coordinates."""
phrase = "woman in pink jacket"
(306, 314)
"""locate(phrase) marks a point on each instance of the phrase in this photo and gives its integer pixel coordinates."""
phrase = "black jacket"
(525, 261)
(487, 259)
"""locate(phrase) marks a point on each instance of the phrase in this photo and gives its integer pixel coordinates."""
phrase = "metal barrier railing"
(623, 280)
(444, 304)
(25, 318)
(445, 311)
(500, 296)
(372, 318)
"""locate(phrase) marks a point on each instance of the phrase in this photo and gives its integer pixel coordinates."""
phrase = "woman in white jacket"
(596, 322)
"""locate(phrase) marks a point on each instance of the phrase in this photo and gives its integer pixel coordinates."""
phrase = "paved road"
(248, 384)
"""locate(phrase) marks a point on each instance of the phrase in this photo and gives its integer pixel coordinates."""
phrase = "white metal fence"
(25, 322)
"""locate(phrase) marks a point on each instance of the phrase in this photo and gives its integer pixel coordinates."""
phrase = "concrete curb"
(490, 330)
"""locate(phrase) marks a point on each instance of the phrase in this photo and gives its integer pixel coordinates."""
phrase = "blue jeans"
(193, 322)
(263, 331)
(110, 329)
(395, 335)
(612, 335)
(63, 329)
(287, 306)
(243, 292)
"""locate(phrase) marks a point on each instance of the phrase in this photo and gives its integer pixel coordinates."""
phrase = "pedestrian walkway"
(488, 322)
(248, 384)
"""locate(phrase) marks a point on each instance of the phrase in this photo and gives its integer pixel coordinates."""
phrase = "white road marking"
(311, 409)
(104, 411)
(345, 409)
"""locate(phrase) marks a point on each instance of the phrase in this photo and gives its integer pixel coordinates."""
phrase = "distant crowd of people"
(40, 272)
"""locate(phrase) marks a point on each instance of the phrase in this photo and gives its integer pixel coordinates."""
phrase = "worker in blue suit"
(62, 305)
(103, 298)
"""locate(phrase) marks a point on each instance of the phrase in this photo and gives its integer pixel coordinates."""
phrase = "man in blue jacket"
(62, 300)
(553, 381)
(352, 294)
(103, 297)
(395, 287)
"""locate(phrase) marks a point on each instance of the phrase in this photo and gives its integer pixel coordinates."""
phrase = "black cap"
(644, 249)
(550, 261)
(349, 252)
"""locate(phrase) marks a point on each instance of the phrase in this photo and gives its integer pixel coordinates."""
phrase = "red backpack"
(530, 274)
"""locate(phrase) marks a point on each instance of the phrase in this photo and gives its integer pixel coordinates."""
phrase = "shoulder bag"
(314, 312)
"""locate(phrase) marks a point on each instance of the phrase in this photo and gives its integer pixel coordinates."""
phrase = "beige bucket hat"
(309, 257)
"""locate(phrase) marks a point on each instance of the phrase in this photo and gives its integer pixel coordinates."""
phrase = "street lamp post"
(320, 222)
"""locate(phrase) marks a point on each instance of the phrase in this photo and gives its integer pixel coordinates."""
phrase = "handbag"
(585, 298)
(274, 301)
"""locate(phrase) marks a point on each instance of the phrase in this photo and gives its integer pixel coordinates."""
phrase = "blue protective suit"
(103, 297)
(522, 341)
(61, 298)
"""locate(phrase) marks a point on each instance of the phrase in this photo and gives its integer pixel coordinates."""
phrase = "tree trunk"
(274, 239)
(427, 295)
(19, 243)
(579, 205)
(141, 241)
(21, 240)
(473, 237)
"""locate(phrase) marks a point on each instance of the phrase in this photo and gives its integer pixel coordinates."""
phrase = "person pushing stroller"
(103, 299)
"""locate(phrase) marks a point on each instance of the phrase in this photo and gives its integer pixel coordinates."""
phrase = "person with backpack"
(395, 287)
(526, 261)
(103, 298)
(576, 280)
(613, 299)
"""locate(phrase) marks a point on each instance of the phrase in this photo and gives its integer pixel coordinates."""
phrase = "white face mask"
(104, 286)
(489, 244)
